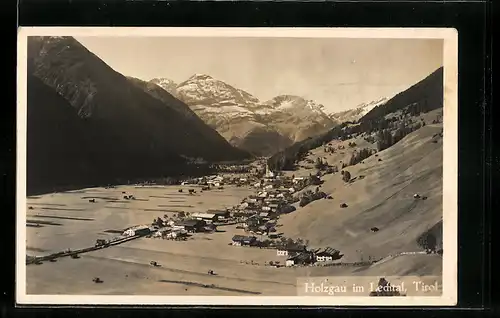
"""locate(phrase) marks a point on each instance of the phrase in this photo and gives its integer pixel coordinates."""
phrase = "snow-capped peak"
(167, 84)
(358, 112)
(200, 76)
(369, 106)
(289, 102)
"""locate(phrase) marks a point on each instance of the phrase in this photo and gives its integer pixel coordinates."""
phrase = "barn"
(208, 217)
(137, 230)
(241, 240)
(191, 225)
(328, 254)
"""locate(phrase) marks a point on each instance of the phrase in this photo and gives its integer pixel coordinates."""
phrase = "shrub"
(346, 176)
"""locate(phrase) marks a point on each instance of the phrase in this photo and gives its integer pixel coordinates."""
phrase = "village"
(256, 217)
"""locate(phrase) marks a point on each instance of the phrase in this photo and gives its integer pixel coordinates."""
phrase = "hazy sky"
(338, 73)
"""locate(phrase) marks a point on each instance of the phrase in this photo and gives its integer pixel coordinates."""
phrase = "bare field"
(82, 222)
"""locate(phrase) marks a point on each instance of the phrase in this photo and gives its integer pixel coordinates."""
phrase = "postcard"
(237, 166)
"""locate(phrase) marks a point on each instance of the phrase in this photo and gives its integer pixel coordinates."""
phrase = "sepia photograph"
(237, 166)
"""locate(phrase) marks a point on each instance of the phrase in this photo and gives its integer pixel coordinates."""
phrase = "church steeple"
(269, 173)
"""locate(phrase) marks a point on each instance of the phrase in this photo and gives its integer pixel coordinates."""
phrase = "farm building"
(220, 214)
(290, 250)
(137, 230)
(191, 225)
(328, 254)
(208, 217)
(240, 240)
(303, 258)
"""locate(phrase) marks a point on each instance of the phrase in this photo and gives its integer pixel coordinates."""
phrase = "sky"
(339, 73)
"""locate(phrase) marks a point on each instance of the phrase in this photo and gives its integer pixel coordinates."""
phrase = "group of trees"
(360, 155)
(309, 196)
(285, 242)
(320, 165)
(232, 169)
(158, 222)
(331, 169)
(428, 242)
(438, 120)
(314, 180)
(386, 139)
(288, 158)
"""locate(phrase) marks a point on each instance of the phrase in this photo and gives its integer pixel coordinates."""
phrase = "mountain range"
(358, 112)
(89, 124)
(262, 128)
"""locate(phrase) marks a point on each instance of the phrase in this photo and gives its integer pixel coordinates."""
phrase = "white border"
(450, 166)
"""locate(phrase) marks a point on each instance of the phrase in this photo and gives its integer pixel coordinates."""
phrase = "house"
(274, 206)
(303, 258)
(272, 200)
(137, 230)
(328, 254)
(208, 217)
(220, 214)
(290, 250)
(191, 225)
(162, 231)
(241, 240)
(289, 262)
(298, 179)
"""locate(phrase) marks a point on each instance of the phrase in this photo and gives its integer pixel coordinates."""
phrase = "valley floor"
(69, 220)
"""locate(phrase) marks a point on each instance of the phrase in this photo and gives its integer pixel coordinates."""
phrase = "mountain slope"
(383, 198)
(246, 122)
(425, 96)
(135, 127)
(64, 151)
